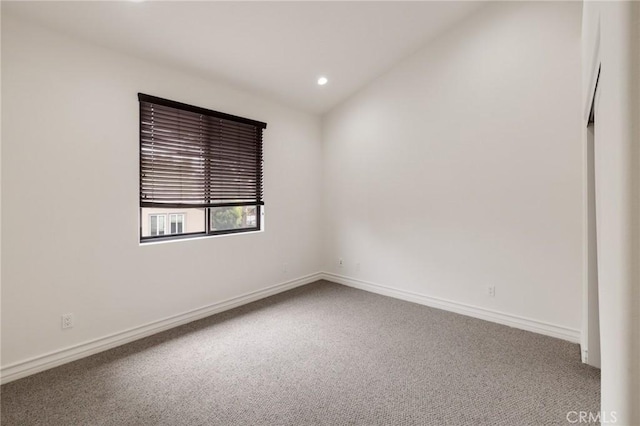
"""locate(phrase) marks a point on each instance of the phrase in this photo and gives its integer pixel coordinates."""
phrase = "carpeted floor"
(320, 354)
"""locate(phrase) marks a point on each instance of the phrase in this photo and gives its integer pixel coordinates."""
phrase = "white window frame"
(164, 215)
(184, 223)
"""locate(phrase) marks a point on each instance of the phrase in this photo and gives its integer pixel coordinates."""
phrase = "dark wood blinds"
(194, 157)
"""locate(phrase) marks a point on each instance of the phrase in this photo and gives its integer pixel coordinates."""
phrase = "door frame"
(590, 307)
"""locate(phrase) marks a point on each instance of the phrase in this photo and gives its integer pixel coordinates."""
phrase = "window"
(176, 222)
(172, 223)
(226, 218)
(157, 224)
(200, 171)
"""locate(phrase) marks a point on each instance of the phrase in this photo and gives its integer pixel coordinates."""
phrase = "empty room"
(320, 213)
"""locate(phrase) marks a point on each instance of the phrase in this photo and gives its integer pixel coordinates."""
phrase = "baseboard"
(53, 359)
(510, 320)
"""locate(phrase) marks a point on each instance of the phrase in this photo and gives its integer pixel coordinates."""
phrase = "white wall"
(611, 37)
(461, 168)
(70, 197)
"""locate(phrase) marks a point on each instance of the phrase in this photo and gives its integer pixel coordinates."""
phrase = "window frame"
(208, 232)
(182, 222)
(237, 230)
(157, 215)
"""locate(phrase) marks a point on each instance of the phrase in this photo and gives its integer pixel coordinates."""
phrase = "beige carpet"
(320, 354)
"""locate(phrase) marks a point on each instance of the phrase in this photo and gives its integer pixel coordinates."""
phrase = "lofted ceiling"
(277, 49)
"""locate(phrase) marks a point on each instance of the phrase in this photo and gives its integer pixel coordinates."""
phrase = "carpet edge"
(37, 364)
(511, 320)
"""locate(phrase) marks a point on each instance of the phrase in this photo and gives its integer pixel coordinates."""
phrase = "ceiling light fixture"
(322, 81)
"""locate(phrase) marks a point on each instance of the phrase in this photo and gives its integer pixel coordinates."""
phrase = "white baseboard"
(40, 363)
(510, 320)
(44, 362)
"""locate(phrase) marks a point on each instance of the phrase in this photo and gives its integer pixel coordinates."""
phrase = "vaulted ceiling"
(277, 49)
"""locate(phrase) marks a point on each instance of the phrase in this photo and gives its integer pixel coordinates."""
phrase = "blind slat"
(191, 157)
(170, 119)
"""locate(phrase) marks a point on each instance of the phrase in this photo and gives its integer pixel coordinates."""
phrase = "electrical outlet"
(341, 262)
(358, 267)
(67, 320)
(491, 290)
(285, 268)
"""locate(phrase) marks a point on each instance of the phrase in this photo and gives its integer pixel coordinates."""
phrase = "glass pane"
(226, 218)
(154, 224)
(161, 224)
(180, 221)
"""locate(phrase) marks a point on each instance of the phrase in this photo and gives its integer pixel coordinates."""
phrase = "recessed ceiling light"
(322, 81)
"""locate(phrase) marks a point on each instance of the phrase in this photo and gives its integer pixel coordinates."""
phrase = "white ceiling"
(278, 49)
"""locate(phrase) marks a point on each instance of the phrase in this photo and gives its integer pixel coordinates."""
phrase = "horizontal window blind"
(194, 157)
